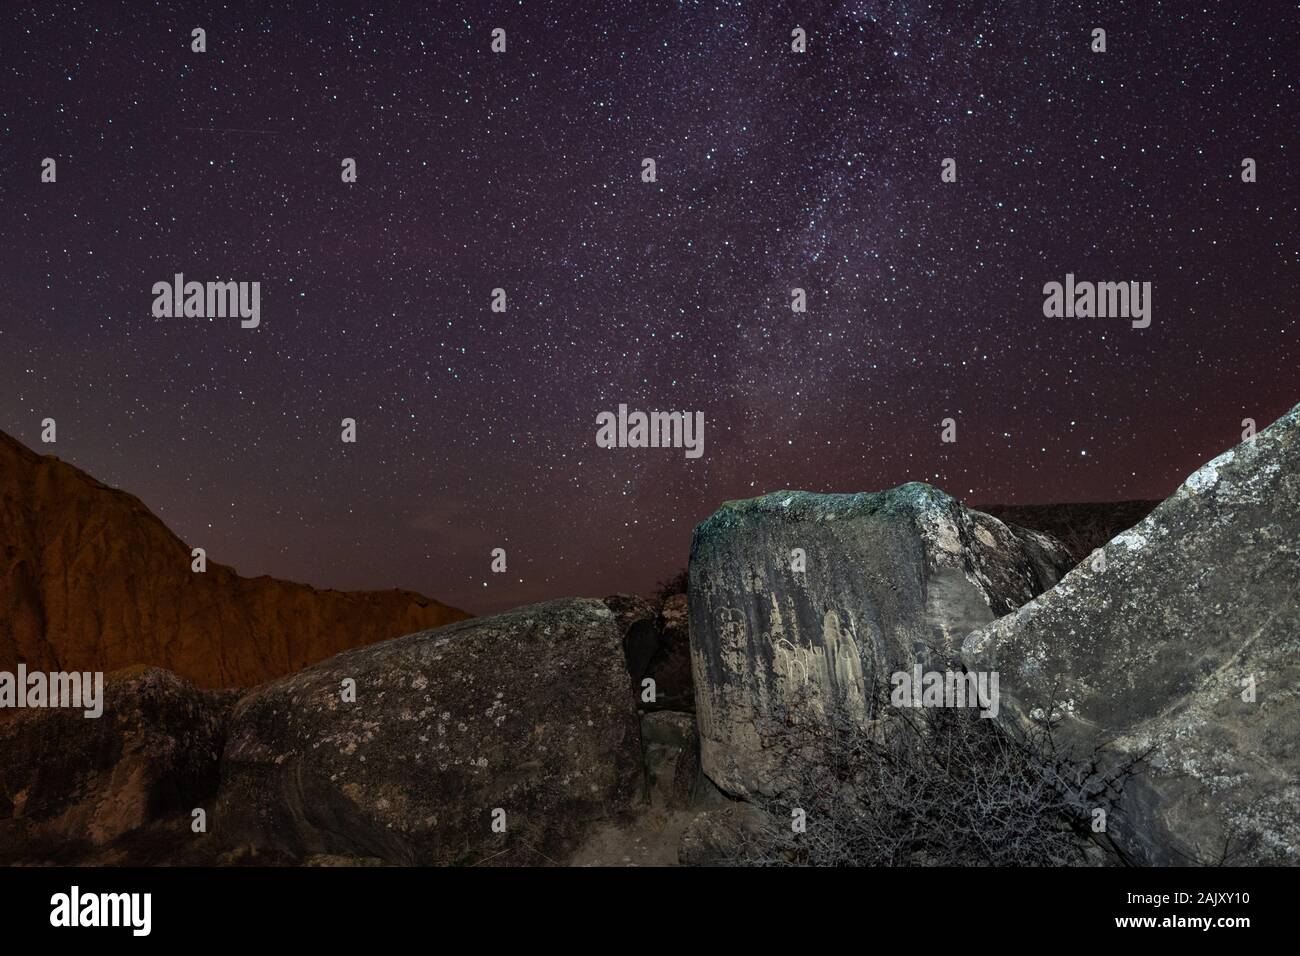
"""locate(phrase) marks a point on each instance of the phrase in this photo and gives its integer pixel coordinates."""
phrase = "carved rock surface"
(892, 579)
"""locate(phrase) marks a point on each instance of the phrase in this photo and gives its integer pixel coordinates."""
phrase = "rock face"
(528, 712)
(1181, 642)
(69, 782)
(91, 580)
(893, 579)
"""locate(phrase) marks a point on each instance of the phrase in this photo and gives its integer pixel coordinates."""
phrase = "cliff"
(90, 579)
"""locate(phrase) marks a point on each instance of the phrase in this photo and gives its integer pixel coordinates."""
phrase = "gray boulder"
(892, 579)
(528, 713)
(1176, 649)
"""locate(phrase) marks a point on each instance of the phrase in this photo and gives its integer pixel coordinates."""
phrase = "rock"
(528, 712)
(731, 835)
(91, 580)
(1155, 651)
(636, 620)
(629, 609)
(672, 757)
(893, 579)
(69, 783)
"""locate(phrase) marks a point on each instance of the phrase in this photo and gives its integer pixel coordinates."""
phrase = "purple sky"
(521, 170)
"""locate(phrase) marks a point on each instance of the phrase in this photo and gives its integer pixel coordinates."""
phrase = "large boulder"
(71, 783)
(525, 718)
(1176, 650)
(892, 579)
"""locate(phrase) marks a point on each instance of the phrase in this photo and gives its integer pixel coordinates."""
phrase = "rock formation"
(500, 738)
(91, 580)
(892, 579)
(732, 834)
(69, 784)
(523, 738)
(1177, 647)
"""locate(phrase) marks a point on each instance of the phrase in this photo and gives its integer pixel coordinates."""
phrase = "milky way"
(522, 170)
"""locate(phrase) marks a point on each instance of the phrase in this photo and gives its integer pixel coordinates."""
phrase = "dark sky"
(521, 170)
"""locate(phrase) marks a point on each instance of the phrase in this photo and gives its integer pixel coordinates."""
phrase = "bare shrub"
(678, 583)
(939, 787)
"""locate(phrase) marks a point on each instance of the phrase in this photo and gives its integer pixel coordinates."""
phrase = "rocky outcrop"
(497, 739)
(1177, 649)
(805, 600)
(91, 580)
(70, 784)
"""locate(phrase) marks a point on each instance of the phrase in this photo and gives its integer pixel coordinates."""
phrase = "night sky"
(522, 170)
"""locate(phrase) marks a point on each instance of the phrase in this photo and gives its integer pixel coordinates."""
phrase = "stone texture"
(672, 757)
(893, 579)
(529, 711)
(732, 835)
(1145, 648)
(91, 580)
(69, 783)
(635, 617)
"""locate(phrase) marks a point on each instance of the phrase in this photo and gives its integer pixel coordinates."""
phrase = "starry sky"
(522, 170)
